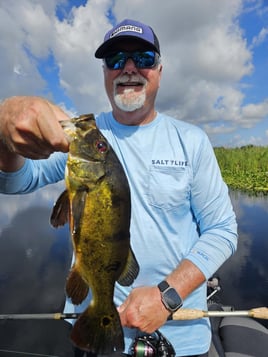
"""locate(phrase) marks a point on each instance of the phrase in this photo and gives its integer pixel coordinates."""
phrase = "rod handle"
(193, 314)
(188, 314)
(259, 313)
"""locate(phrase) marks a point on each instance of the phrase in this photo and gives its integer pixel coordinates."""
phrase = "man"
(182, 226)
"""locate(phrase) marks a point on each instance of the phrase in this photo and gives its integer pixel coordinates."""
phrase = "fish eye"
(101, 146)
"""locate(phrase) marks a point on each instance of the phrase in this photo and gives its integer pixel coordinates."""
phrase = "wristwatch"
(169, 296)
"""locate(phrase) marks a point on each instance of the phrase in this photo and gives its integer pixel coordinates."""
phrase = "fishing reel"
(153, 345)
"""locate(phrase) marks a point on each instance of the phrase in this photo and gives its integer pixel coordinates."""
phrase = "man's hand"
(143, 309)
(29, 126)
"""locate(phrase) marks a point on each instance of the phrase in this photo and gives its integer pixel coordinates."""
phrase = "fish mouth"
(82, 160)
(68, 127)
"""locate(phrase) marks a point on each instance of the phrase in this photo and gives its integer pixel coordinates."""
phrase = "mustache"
(130, 78)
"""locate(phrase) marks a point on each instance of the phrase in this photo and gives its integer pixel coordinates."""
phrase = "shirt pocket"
(169, 188)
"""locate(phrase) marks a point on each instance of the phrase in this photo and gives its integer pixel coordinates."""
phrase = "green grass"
(244, 168)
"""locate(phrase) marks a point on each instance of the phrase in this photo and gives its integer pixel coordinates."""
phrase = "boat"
(232, 335)
(235, 336)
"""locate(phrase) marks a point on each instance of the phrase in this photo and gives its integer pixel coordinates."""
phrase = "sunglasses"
(142, 59)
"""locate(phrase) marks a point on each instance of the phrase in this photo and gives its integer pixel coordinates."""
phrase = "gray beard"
(130, 100)
(129, 104)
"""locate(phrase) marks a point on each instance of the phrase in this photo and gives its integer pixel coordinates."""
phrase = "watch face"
(172, 299)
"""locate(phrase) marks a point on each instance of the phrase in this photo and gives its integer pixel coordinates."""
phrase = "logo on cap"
(127, 28)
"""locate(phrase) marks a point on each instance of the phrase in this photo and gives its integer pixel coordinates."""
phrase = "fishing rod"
(28, 354)
(181, 314)
(41, 316)
(192, 314)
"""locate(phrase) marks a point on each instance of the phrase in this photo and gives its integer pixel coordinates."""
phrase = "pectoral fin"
(131, 270)
(61, 209)
(78, 206)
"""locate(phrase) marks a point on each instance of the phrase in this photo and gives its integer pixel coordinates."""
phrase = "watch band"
(163, 286)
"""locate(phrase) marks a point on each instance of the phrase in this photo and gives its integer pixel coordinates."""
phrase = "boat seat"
(234, 336)
(243, 336)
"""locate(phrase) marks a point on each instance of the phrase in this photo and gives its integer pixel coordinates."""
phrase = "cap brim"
(106, 47)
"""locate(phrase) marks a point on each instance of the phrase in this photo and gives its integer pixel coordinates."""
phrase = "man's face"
(131, 88)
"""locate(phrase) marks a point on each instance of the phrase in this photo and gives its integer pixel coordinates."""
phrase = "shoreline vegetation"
(245, 168)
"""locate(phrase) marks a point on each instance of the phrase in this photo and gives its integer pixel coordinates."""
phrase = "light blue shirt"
(180, 209)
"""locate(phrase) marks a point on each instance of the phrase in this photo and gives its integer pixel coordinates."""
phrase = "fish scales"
(97, 204)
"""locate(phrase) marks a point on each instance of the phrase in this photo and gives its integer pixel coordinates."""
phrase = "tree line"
(244, 168)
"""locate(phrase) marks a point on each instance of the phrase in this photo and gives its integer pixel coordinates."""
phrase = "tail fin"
(98, 332)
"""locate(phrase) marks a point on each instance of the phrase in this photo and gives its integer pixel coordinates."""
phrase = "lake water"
(35, 259)
(244, 277)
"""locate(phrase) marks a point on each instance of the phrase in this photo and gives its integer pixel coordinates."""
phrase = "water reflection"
(244, 276)
(35, 259)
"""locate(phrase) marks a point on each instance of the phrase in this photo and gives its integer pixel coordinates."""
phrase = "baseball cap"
(130, 29)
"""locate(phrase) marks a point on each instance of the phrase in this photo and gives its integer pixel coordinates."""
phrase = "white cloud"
(255, 112)
(75, 44)
(205, 55)
(19, 70)
(219, 129)
(24, 26)
(262, 36)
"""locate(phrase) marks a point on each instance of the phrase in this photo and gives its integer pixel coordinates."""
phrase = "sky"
(214, 56)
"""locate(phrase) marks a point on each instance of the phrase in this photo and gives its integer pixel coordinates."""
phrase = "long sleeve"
(33, 175)
(213, 211)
